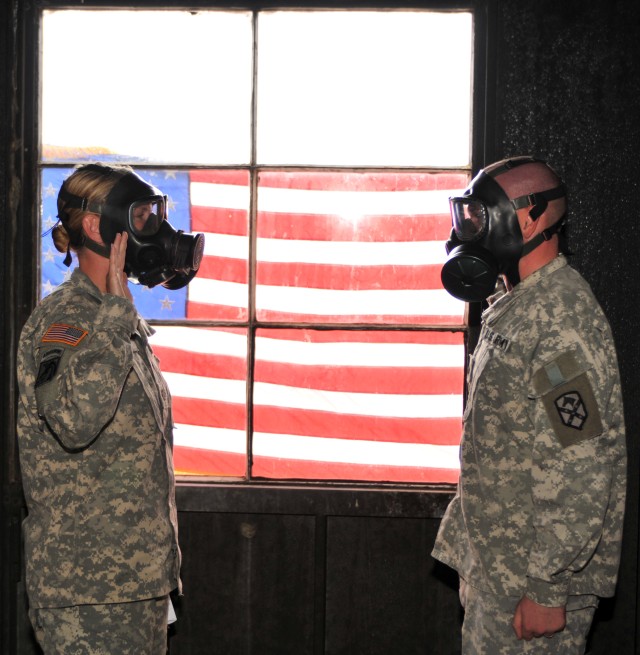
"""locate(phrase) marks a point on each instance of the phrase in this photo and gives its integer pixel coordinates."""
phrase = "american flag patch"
(61, 333)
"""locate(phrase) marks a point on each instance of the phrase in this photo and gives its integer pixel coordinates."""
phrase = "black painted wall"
(569, 91)
(346, 571)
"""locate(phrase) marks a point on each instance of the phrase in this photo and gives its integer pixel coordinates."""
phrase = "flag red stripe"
(209, 413)
(224, 367)
(196, 461)
(222, 176)
(323, 276)
(369, 379)
(204, 311)
(323, 227)
(219, 220)
(267, 315)
(285, 420)
(225, 269)
(355, 278)
(343, 181)
(346, 181)
(348, 379)
(364, 336)
(284, 469)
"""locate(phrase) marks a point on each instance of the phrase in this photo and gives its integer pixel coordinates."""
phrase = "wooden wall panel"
(383, 595)
(249, 585)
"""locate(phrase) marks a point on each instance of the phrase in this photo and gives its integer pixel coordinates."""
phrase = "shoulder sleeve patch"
(48, 366)
(568, 399)
(62, 333)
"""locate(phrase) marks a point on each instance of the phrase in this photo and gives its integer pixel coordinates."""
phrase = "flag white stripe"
(393, 355)
(349, 204)
(340, 402)
(336, 253)
(315, 449)
(328, 302)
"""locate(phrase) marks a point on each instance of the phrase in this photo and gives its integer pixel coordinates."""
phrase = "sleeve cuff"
(547, 593)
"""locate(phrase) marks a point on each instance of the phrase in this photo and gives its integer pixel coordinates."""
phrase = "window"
(316, 150)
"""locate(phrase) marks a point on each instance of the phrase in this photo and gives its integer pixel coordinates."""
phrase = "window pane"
(176, 87)
(354, 247)
(212, 202)
(358, 405)
(364, 88)
(206, 372)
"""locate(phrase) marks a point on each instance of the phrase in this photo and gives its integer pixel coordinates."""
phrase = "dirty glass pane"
(357, 405)
(214, 202)
(206, 371)
(354, 247)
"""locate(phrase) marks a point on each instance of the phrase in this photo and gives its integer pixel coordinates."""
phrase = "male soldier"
(535, 528)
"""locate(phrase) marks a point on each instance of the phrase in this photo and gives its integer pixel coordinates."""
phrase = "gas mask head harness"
(156, 252)
(486, 240)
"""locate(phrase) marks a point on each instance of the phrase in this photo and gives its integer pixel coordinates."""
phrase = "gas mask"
(486, 240)
(156, 252)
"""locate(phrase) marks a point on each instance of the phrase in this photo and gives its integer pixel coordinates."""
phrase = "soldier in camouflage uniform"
(95, 434)
(535, 528)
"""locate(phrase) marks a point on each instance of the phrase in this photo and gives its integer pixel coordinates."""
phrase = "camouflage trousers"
(487, 626)
(135, 628)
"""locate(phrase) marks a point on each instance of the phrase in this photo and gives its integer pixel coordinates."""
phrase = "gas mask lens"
(469, 216)
(146, 216)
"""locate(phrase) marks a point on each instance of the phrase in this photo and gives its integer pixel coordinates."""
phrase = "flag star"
(49, 256)
(171, 204)
(49, 222)
(47, 288)
(170, 175)
(50, 190)
(67, 274)
(165, 303)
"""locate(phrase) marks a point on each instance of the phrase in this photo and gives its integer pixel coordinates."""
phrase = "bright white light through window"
(153, 86)
(364, 88)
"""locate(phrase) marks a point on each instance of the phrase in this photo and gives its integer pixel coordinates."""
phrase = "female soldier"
(95, 434)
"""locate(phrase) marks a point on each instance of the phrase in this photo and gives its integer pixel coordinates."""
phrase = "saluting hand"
(117, 283)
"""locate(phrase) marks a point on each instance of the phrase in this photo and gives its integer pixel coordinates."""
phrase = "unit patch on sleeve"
(49, 366)
(569, 401)
(61, 333)
(572, 411)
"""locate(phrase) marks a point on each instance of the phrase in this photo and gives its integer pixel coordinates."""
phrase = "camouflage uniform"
(540, 503)
(94, 433)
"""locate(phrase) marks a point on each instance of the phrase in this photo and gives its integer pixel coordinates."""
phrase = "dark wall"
(568, 89)
(283, 570)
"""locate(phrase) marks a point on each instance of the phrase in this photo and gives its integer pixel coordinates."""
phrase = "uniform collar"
(83, 281)
(522, 287)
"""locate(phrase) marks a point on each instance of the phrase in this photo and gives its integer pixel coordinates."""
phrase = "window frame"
(480, 139)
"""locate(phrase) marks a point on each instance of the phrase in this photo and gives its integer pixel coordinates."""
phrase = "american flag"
(332, 249)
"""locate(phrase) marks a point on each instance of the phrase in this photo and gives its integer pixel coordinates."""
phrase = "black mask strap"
(539, 200)
(100, 249)
(542, 237)
(76, 202)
